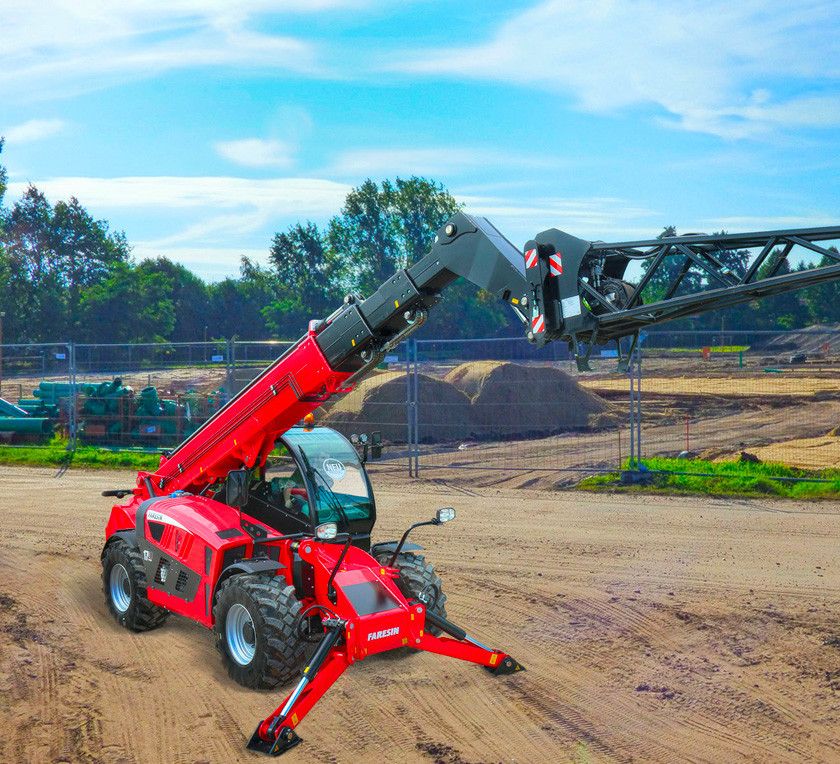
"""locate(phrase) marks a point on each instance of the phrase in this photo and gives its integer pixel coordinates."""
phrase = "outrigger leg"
(276, 733)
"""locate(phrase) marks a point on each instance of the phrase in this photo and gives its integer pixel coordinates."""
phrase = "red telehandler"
(273, 555)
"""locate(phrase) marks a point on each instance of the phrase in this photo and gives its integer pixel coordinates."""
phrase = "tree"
(189, 296)
(236, 305)
(34, 299)
(304, 273)
(130, 305)
(384, 228)
(823, 301)
(782, 311)
(3, 179)
(381, 230)
(85, 252)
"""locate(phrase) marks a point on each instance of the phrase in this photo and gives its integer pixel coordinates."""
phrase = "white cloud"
(257, 152)
(588, 217)
(55, 48)
(709, 66)
(440, 162)
(31, 131)
(187, 218)
(309, 196)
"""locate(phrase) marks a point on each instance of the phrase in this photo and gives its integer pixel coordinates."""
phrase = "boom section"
(581, 290)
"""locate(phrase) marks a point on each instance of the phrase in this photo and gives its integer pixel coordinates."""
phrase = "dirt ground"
(657, 630)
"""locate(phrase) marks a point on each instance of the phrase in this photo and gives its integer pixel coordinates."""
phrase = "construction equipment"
(17, 421)
(271, 562)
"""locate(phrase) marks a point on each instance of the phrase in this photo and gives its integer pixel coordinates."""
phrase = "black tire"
(273, 608)
(139, 614)
(418, 581)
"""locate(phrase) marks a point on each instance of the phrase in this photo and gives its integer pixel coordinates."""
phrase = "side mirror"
(444, 515)
(236, 488)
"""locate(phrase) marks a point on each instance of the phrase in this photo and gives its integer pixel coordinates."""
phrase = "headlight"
(326, 531)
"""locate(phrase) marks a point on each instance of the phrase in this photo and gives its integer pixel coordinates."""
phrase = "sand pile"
(511, 399)
(378, 403)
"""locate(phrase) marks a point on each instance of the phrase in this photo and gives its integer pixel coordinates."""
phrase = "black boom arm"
(562, 287)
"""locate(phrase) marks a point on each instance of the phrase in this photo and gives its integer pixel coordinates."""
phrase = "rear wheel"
(124, 583)
(418, 581)
(256, 630)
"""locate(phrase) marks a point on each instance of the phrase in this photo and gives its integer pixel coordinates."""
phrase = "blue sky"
(200, 127)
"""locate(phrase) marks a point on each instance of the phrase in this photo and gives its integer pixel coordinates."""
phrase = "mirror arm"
(433, 521)
(330, 588)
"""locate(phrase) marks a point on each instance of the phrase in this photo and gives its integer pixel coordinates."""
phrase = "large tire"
(263, 611)
(418, 581)
(124, 584)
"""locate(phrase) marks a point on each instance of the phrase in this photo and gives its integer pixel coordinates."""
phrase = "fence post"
(416, 410)
(411, 415)
(72, 419)
(409, 420)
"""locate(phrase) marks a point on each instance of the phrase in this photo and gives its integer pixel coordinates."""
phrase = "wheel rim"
(240, 634)
(120, 588)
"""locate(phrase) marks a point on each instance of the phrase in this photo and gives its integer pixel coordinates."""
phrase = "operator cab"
(314, 476)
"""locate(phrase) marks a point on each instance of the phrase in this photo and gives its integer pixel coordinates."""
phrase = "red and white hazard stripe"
(538, 323)
(555, 264)
(531, 257)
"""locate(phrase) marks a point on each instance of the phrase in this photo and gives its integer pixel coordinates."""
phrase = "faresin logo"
(384, 633)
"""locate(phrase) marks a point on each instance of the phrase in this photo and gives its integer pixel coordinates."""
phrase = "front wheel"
(256, 631)
(124, 583)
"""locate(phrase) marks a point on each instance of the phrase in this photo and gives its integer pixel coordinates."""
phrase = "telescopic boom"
(561, 287)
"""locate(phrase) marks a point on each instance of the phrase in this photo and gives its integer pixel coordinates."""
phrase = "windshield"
(340, 478)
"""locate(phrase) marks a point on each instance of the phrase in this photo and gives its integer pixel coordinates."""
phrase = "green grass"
(725, 479)
(54, 454)
(712, 349)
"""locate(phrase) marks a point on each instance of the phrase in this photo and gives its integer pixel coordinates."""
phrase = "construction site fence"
(727, 394)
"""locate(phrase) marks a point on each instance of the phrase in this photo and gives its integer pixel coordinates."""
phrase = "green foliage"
(55, 454)
(187, 293)
(51, 255)
(732, 478)
(130, 305)
(3, 177)
(383, 229)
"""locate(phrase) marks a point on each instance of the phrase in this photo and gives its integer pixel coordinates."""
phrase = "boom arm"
(562, 288)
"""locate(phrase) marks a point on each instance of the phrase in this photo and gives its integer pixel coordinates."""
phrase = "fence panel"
(492, 411)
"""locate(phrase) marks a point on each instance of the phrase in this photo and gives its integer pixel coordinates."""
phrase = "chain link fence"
(491, 412)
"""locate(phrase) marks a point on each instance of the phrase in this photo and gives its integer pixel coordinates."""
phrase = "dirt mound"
(513, 399)
(379, 403)
(811, 340)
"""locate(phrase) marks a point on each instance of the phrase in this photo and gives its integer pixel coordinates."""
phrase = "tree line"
(65, 275)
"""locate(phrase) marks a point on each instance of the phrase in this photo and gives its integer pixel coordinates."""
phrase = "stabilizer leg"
(465, 648)
(276, 733)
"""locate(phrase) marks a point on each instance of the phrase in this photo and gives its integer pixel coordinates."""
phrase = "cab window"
(339, 481)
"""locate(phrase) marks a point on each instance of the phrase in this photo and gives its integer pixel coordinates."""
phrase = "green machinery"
(109, 413)
(16, 421)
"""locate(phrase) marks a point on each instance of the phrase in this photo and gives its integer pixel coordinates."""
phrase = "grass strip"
(55, 454)
(730, 478)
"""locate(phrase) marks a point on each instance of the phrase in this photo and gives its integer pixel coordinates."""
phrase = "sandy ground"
(738, 385)
(561, 460)
(656, 630)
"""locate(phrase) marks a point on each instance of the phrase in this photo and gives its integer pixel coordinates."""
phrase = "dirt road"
(654, 630)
